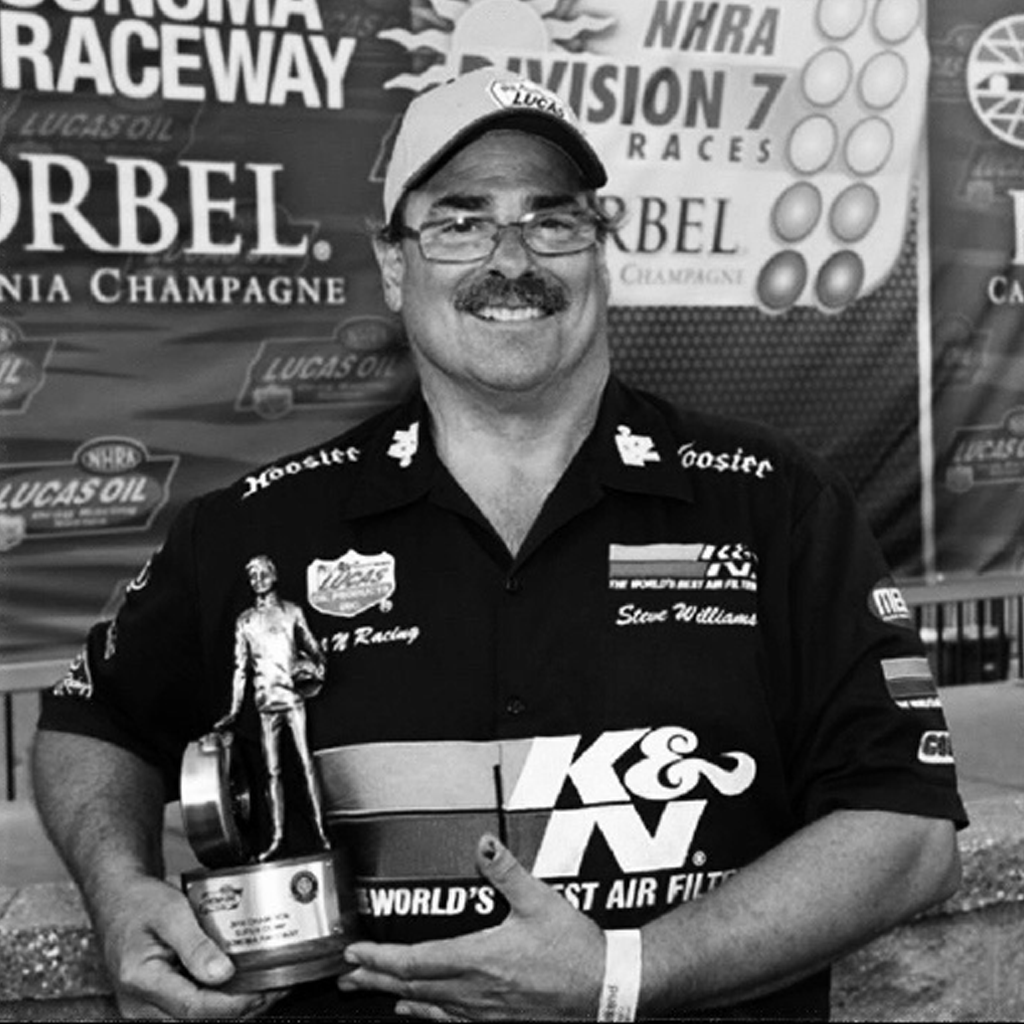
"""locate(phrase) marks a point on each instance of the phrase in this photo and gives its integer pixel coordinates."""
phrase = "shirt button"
(513, 584)
(515, 706)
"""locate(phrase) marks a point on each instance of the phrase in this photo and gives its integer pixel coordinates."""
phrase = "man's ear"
(392, 271)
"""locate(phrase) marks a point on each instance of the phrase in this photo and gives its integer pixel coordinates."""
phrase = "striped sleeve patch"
(909, 680)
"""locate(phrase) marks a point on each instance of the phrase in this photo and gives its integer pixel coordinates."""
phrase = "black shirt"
(697, 650)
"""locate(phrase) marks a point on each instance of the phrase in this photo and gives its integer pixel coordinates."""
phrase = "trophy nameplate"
(283, 916)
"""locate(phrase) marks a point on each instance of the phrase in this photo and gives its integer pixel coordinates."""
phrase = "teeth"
(507, 315)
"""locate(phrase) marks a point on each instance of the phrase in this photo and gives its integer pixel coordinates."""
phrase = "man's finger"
(158, 989)
(426, 990)
(199, 954)
(443, 958)
(423, 1011)
(497, 864)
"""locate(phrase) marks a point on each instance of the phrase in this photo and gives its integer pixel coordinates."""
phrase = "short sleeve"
(872, 734)
(138, 682)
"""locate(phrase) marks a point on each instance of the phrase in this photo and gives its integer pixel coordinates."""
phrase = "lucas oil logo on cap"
(509, 95)
(351, 584)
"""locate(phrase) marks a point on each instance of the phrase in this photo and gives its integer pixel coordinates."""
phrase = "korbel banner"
(187, 287)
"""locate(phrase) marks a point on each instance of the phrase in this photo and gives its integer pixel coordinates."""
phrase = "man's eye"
(564, 223)
(463, 226)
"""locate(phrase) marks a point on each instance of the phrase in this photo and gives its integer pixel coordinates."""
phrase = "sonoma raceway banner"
(823, 229)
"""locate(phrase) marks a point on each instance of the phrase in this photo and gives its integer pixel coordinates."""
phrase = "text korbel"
(56, 206)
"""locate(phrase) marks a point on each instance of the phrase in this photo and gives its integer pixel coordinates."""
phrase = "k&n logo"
(606, 794)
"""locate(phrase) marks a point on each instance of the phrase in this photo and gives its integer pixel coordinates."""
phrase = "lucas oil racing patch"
(351, 584)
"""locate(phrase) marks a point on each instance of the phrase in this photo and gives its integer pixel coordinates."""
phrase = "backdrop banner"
(976, 127)
(188, 290)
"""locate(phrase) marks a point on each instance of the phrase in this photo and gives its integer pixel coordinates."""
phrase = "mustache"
(527, 290)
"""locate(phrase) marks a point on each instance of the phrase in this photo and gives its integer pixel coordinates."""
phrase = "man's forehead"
(474, 202)
(503, 161)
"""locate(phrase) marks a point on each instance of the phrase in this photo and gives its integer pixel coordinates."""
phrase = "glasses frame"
(522, 224)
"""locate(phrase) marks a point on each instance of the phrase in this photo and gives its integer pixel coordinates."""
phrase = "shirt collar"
(631, 448)
(400, 464)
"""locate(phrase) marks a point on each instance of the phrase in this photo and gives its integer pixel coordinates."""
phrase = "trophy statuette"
(282, 918)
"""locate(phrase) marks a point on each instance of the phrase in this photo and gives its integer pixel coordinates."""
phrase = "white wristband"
(620, 991)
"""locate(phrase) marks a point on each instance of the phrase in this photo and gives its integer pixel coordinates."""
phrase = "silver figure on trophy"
(282, 919)
(276, 649)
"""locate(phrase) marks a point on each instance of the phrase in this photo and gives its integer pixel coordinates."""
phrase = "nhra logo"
(351, 584)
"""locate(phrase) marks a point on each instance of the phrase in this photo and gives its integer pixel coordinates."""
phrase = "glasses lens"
(458, 240)
(559, 232)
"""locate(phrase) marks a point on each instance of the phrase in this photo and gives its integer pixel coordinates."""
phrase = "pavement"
(986, 722)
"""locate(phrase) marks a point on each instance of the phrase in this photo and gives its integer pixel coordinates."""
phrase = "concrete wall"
(963, 961)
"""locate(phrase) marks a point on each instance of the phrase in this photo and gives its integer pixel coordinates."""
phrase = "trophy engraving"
(282, 918)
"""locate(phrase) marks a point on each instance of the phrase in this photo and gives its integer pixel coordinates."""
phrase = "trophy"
(282, 917)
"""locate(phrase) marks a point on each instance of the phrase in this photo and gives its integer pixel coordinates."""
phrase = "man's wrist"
(623, 965)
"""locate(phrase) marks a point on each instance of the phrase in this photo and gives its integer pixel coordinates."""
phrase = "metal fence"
(972, 630)
(20, 687)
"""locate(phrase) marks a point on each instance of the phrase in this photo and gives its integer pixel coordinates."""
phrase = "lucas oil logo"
(351, 584)
(528, 95)
(110, 485)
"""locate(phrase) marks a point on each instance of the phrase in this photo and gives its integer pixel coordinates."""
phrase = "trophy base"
(282, 923)
(306, 961)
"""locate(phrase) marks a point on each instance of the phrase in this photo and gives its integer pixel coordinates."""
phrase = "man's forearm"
(820, 894)
(102, 807)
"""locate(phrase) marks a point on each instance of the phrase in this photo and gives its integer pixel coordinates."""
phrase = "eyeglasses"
(468, 237)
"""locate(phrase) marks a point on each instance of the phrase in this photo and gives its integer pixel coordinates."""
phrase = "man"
(274, 644)
(623, 716)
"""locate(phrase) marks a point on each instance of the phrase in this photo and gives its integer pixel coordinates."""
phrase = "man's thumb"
(199, 954)
(499, 866)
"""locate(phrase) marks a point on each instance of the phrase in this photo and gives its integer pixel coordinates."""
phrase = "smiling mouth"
(510, 314)
(496, 299)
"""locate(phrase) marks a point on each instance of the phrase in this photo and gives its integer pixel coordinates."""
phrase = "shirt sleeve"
(138, 681)
(871, 734)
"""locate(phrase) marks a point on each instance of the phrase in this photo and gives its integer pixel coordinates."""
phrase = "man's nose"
(511, 254)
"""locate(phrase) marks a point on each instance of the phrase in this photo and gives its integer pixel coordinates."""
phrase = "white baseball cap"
(441, 121)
